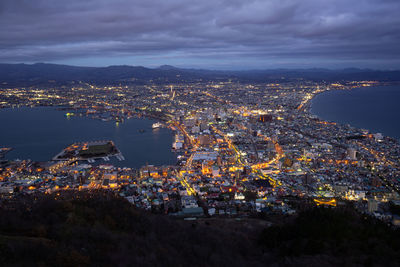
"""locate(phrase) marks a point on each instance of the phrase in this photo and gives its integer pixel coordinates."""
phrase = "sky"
(210, 34)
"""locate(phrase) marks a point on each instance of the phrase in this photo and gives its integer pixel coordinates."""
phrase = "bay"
(42, 132)
(374, 108)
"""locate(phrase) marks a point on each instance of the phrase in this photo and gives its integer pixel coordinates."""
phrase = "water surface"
(40, 133)
(374, 108)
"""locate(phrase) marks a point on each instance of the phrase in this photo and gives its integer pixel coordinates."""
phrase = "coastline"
(125, 135)
(308, 108)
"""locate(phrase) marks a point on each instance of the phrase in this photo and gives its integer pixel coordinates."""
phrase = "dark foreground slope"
(335, 236)
(98, 229)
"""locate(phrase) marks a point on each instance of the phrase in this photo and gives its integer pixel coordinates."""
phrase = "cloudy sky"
(216, 34)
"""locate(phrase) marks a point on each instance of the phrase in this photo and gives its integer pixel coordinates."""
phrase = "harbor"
(42, 132)
(4, 151)
(90, 151)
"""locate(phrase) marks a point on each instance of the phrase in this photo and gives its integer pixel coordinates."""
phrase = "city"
(199, 133)
(241, 149)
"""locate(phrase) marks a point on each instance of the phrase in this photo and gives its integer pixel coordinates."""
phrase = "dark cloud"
(223, 33)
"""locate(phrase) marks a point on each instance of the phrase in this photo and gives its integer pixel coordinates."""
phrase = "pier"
(4, 151)
(90, 151)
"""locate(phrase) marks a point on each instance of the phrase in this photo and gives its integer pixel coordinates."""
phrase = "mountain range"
(43, 73)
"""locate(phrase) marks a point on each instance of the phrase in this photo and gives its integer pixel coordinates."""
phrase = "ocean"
(374, 108)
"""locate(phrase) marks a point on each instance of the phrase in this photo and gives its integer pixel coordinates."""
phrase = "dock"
(90, 151)
(4, 151)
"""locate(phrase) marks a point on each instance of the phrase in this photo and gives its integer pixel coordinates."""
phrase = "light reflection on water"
(40, 133)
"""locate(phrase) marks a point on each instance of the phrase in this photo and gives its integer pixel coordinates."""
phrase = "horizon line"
(208, 68)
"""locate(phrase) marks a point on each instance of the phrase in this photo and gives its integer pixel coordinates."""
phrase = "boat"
(156, 125)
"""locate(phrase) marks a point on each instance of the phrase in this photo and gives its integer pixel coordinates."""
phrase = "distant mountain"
(42, 73)
(24, 74)
(168, 67)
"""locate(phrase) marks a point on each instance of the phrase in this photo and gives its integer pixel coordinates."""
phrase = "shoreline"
(120, 158)
(308, 110)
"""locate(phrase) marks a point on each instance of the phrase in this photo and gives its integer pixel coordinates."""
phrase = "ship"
(156, 125)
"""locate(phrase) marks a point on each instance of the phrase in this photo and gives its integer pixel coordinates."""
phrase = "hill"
(44, 74)
(100, 229)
